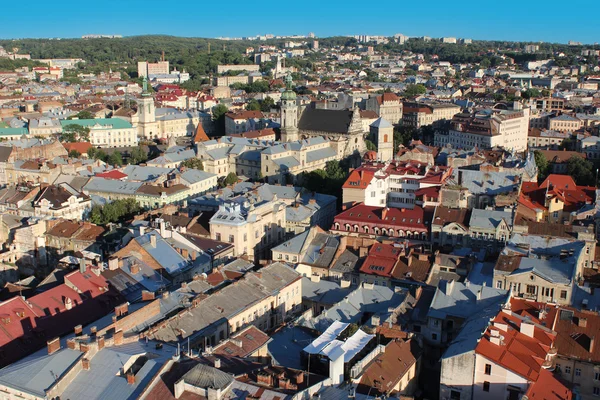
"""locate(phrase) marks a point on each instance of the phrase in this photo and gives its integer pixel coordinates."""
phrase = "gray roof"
(489, 219)
(321, 250)
(111, 186)
(163, 253)
(227, 302)
(378, 300)
(294, 245)
(144, 173)
(103, 380)
(35, 374)
(333, 121)
(490, 183)
(192, 176)
(463, 299)
(204, 376)
(381, 123)
(554, 270)
(325, 292)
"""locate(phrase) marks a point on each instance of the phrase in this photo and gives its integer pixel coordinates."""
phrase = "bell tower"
(384, 132)
(147, 126)
(289, 113)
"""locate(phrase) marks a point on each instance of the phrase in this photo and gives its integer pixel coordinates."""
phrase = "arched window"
(385, 138)
(356, 228)
(347, 227)
(366, 228)
(337, 226)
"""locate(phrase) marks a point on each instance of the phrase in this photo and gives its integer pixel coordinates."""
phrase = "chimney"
(153, 240)
(113, 263)
(363, 251)
(217, 363)
(71, 344)
(53, 345)
(101, 343)
(85, 363)
(122, 309)
(84, 347)
(582, 322)
(184, 253)
(142, 230)
(135, 268)
(82, 265)
(162, 228)
(130, 378)
(527, 329)
(78, 330)
(93, 330)
(300, 378)
(147, 296)
(118, 338)
(315, 278)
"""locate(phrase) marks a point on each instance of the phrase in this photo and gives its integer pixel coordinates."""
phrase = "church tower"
(147, 126)
(384, 132)
(289, 113)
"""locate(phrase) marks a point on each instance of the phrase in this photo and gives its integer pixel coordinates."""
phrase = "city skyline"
(325, 20)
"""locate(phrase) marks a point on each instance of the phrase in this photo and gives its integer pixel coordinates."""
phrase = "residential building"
(253, 228)
(510, 356)
(62, 201)
(400, 184)
(107, 132)
(370, 221)
(546, 139)
(145, 69)
(487, 129)
(261, 298)
(388, 106)
(417, 115)
(564, 123)
(540, 268)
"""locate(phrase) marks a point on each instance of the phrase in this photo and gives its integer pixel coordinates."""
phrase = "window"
(486, 386)
(245, 237)
(567, 369)
(434, 336)
(488, 369)
(596, 391)
(218, 237)
(499, 285)
(597, 376)
(454, 395)
(231, 238)
(577, 371)
(530, 289)
(563, 294)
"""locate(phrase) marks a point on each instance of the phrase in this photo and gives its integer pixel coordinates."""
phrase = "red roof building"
(510, 356)
(381, 221)
(26, 325)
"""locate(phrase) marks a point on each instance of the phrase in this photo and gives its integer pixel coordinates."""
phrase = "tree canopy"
(75, 133)
(115, 211)
(582, 171)
(193, 163)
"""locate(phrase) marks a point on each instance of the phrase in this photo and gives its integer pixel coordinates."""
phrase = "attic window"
(249, 336)
(228, 350)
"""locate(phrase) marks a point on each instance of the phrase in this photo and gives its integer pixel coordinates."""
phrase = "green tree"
(581, 170)
(99, 154)
(531, 93)
(115, 159)
(84, 115)
(253, 105)
(415, 90)
(230, 179)
(403, 135)
(370, 145)
(193, 163)
(333, 170)
(218, 118)
(74, 154)
(115, 211)
(137, 156)
(75, 133)
(267, 104)
(542, 165)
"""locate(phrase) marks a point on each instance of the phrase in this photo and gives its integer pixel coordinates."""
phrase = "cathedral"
(342, 127)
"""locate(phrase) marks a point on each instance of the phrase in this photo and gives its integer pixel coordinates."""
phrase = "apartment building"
(487, 129)
(146, 69)
(400, 184)
(564, 123)
(546, 139)
(107, 132)
(253, 228)
(388, 106)
(417, 115)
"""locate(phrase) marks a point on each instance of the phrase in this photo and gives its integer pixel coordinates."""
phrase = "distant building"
(158, 68)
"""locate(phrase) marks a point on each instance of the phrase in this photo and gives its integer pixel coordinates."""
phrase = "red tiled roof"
(517, 351)
(394, 218)
(381, 260)
(548, 387)
(80, 147)
(112, 174)
(200, 135)
(359, 179)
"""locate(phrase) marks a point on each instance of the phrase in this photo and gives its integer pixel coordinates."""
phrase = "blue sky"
(505, 20)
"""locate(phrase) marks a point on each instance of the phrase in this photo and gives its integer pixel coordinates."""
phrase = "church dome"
(370, 156)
